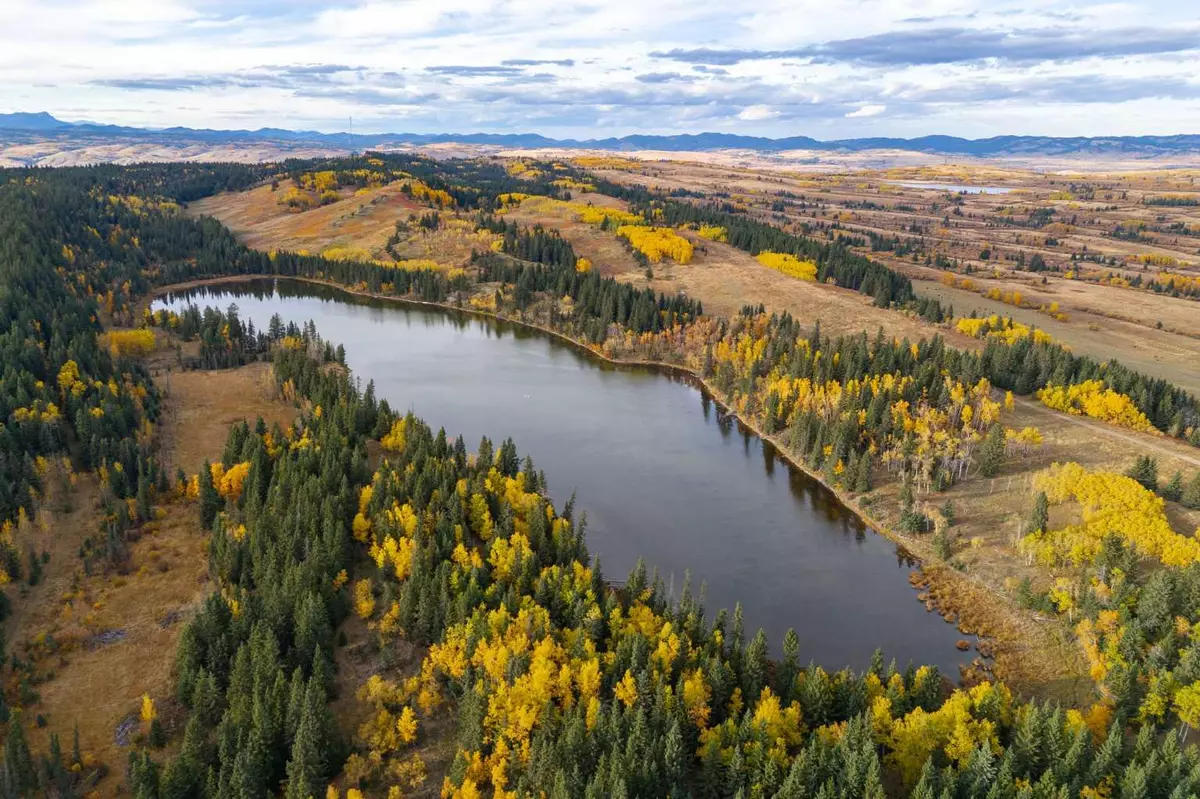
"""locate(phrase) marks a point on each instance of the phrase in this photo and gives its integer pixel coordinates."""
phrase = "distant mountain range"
(41, 126)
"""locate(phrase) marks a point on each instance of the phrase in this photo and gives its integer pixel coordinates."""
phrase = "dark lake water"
(658, 471)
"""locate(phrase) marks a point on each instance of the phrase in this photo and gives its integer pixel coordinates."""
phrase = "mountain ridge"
(43, 123)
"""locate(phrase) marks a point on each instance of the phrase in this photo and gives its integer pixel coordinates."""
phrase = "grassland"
(1054, 216)
(1148, 331)
(101, 640)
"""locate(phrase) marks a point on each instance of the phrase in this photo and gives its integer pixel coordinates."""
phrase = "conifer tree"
(1040, 518)
(1191, 494)
(18, 762)
(210, 500)
(1145, 471)
(991, 454)
(1173, 490)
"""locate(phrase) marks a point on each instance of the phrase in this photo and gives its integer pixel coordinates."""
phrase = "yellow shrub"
(596, 215)
(657, 243)
(128, 342)
(1004, 328)
(1091, 398)
(788, 264)
(1111, 504)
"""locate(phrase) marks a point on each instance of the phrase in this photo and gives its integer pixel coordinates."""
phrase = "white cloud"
(757, 113)
(205, 63)
(869, 110)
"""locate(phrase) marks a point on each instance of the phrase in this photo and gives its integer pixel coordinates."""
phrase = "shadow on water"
(662, 471)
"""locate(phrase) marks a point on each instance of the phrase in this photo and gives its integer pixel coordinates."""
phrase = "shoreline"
(844, 497)
(929, 578)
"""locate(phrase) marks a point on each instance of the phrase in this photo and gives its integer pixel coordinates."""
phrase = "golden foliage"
(957, 728)
(128, 342)
(790, 265)
(364, 599)
(598, 215)
(1111, 504)
(607, 162)
(1003, 328)
(395, 438)
(431, 196)
(657, 243)
(1091, 398)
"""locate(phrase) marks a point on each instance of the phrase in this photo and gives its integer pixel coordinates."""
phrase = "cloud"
(162, 84)
(314, 69)
(927, 46)
(869, 110)
(665, 77)
(1073, 89)
(758, 113)
(963, 67)
(370, 97)
(538, 62)
(474, 71)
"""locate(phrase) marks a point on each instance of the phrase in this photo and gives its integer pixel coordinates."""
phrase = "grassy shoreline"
(975, 607)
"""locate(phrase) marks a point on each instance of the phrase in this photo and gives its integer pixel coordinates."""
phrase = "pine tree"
(1041, 513)
(306, 766)
(676, 761)
(991, 454)
(18, 762)
(210, 500)
(755, 669)
(862, 476)
(789, 667)
(1191, 494)
(942, 546)
(1173, 490)
(157, 738)
(1145, 471)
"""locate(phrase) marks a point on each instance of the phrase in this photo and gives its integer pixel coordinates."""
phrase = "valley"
(390, 570)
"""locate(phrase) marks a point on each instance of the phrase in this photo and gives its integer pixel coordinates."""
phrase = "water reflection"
(638, 447)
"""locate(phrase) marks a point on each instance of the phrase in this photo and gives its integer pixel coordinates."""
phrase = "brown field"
(364, 219)
(1034, 654)
(725, 279)
(1156, 333)
(1037, 655)
(608, 254)
(114, 634)
(1166, 353)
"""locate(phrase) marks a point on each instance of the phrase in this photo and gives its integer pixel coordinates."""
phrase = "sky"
(597, 68)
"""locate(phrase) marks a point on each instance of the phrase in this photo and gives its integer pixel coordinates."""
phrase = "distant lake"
(659, 471)
(954, 188)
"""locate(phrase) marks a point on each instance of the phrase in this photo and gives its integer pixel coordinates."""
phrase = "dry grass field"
(363, 219)
(102, 640)
(1155, 333)
(1101, 218)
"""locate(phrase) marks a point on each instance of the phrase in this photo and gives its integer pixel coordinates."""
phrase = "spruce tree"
(1173, 490)
(1041, 513)
(18, 762)
(1191, 494)
(1145, 471)
(306, 766)
(210, 500)
(862, 476)
(991, 454)
(789, 667)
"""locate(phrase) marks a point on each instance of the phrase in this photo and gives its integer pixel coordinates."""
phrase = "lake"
(660, 473)
(954, 188)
